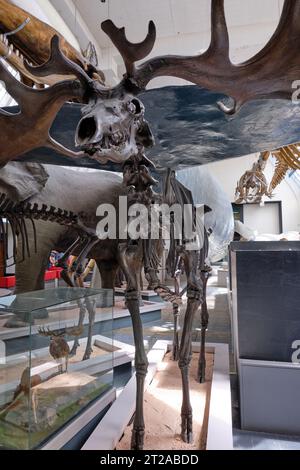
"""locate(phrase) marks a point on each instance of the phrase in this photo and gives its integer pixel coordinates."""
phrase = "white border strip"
(219, 433)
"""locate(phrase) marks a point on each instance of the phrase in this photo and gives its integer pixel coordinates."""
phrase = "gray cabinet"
(265, 279)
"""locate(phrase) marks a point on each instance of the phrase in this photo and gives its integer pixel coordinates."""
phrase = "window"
(295, 175)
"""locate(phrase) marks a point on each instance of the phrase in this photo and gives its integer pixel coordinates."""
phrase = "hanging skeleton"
(253, 185)
(287, 159)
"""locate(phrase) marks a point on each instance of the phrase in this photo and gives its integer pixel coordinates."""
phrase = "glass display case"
(56, 358)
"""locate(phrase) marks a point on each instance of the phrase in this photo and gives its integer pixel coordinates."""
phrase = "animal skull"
(113, 128)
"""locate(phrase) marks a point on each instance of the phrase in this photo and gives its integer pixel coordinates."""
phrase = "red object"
(7, 282)
(50, 275)
(57, 271)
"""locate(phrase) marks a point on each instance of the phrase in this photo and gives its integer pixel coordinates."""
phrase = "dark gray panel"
(268, 299)
(190, 129)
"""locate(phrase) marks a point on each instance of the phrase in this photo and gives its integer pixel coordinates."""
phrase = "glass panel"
(49, 372)
(31, 301)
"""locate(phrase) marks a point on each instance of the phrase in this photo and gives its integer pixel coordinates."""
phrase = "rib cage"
(17, 213)
(281, 169)
(287, 158)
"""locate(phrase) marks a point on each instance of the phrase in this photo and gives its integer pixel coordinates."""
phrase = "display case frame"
(45, 384)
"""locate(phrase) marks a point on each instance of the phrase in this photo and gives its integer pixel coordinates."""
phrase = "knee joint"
(132, 295)
(141, 367)
(194, 294)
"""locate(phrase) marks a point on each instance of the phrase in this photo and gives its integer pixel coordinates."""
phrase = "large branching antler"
(16, 60)
(59, 64)
(269, 74)
(29, 128)
(130, 52)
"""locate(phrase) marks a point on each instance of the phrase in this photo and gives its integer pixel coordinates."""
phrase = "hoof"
(137, 439)
(201, 373)
(175, 355)
(73, 351)
(175, 351)
(187, 428)
(201, 377)
(187, 437)
(87, 355)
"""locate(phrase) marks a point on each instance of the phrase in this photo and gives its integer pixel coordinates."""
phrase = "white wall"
(228, 172)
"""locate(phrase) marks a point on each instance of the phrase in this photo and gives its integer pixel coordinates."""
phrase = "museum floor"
(219, 332)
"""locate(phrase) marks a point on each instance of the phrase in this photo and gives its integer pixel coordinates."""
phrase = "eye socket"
(87, 128)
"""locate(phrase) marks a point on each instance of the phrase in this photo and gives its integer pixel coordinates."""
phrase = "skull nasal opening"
(87, 128)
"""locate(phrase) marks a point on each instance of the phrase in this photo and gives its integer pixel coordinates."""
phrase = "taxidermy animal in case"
(59, 348)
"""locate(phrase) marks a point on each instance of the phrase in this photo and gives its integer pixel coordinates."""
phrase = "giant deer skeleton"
(112, 125)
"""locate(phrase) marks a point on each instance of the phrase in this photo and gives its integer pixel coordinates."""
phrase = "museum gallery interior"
(149, 225)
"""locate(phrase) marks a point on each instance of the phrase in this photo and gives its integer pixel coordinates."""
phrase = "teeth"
(117, 137)
(11, 48)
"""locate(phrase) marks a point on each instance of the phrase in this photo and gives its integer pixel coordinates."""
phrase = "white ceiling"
(183, 26)
(172, 17)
